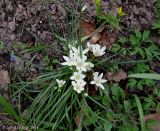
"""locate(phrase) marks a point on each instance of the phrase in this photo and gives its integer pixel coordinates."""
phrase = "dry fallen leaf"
(156, 128)
(107, 39)
(4, 81)
(53, 9)
(118, 76)
(95, 37)
(4, 78)
(80, 116)
(155, 116)
(100, 35)
(87, 27)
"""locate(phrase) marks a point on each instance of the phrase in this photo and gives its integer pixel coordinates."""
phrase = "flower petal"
(65, 63)
(103, 81)
(92, 82)
(101, 75)
(95, 74)
(103, 49)
(66, 58)
(101, 86)
(85, 51)
(74, 50)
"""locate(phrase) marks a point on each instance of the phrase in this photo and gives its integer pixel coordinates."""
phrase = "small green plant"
(140, 83)
(139, 44)
(1, 45)
(98, 7)
(136, 42)
(156, 25)
(110, 19)
(106, 18)
(158, 8)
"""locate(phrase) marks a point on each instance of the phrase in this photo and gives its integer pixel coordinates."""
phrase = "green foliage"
(149, 103)
(139, 45)
(110, 19)
(156, 25)
(9, 109)
(98, 7)
(137, 40)
(140, 110)
(1, 45)
(158, 8)
(146, 77)
(106, 18)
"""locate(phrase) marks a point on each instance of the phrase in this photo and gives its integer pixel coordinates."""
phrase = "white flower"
(80, 53)
(78, 86)
(60, 82)
(77, 76)
(89, 66)
(98, 80)
(70, 61)
(98, 51)
(81, 65)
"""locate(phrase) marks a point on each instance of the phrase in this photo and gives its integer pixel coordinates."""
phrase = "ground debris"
(155, 116)
(118, 76)
(97, 36)
(4, 81)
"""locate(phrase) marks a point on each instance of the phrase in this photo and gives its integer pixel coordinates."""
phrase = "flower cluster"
(78, 60)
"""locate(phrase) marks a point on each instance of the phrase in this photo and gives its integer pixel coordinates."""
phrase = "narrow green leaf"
(108, 126)
(145, 76)
(8, 108)
(140, 110)
(146, 35)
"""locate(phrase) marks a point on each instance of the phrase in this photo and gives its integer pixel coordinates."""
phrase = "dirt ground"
(18, 16)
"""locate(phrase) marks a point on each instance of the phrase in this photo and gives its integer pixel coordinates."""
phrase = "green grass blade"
(145, 76)
(140, 110)
(8, 108)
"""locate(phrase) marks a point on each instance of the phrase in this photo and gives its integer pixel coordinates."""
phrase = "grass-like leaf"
(145, 76)
(8, 108)
(140, 110)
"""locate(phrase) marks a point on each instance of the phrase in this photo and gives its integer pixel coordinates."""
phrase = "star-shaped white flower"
(98, 51)
(70, 61)
(77, 76)
(98, 80)
(80, 53)
(81, 65)
(78, 86)
(60, 82)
